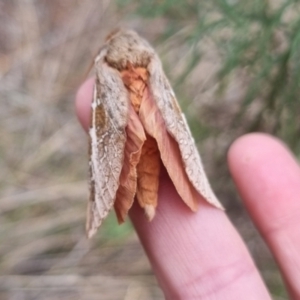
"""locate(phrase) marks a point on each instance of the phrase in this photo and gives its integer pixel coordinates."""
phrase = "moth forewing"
(178, 127)
(107, 141)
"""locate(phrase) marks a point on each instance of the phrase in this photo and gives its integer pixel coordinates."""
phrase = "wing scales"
(177, 126)
(107, 141)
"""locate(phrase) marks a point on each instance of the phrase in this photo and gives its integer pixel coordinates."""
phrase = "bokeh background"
(235, 66)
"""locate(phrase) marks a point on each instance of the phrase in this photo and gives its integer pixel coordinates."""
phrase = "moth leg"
(148, 170)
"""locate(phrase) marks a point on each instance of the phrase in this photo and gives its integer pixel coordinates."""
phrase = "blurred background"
(235, 67)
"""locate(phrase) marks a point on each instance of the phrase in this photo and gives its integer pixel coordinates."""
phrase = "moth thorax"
(135, 81)
(121, 62)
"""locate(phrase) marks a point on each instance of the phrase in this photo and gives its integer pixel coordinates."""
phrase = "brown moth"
(136, 124)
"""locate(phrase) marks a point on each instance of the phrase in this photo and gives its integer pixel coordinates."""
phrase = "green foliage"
(111, 231)
(260, 37)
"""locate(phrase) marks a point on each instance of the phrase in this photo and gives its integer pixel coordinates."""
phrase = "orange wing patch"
(141, 169)
(142, 166)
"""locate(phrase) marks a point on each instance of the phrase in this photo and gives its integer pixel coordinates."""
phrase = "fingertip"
(251, 147)
(267, 177)
(83, 102)
(265, 173)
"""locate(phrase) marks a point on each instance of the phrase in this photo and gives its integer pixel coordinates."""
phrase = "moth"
(136, 125)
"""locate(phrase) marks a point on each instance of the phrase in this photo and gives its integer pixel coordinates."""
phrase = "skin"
(201, 255)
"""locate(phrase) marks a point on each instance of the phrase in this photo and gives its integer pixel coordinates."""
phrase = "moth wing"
(107, 141)
(177, 126)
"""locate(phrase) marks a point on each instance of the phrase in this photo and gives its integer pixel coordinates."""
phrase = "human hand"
(201, 255)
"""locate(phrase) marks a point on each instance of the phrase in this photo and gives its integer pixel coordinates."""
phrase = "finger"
(194, 255)
(83, 102)
(268, 179)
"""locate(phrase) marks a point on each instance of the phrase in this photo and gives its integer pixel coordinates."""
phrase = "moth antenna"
(91, 65)
(112, 33)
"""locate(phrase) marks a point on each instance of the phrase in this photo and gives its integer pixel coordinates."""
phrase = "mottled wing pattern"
(107, 141)
(177, 126)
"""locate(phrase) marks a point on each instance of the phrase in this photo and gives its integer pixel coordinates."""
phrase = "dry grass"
(46, 49)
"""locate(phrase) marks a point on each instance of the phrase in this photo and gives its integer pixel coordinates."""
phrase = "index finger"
(194, 255)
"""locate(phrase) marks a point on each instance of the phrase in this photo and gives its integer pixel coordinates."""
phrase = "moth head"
(127, 47)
